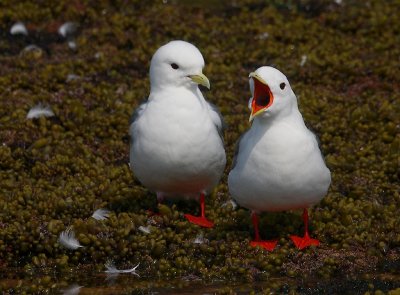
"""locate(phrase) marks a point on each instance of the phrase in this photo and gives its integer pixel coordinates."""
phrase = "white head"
(177, 64)
(271, 94)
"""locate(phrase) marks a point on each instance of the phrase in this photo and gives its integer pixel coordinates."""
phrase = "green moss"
(54, 172)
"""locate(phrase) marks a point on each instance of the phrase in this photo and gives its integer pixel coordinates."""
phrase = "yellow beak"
(254, 75)
(200, 79)
(252, 116)
(255, 109)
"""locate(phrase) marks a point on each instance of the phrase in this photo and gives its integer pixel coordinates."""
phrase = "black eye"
(282, 85)
(174, 66)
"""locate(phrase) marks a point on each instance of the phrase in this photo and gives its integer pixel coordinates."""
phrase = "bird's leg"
(203, 205)
(268, 245)
(305, 220)
(160, 199)
(200, 220)
(255, 220)
(305, 241)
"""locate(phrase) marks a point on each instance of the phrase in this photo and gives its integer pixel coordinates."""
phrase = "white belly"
(177, 150)
(279, 172)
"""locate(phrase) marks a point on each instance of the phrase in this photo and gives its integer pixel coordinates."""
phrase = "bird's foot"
(267, 245)
(198, 220)
(304, 242)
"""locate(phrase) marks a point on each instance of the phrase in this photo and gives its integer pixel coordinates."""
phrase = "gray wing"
(237, 148)
(136, 114)
(218, 120)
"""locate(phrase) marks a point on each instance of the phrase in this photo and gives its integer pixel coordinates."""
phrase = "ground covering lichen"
(342, 58)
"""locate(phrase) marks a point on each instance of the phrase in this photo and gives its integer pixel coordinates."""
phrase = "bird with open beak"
(177, 148)
(278, 164)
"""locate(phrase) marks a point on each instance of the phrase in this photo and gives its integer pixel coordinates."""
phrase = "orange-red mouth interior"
(263, 97)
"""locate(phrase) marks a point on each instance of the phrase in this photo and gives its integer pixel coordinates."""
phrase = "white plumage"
(68, 240)
(176, 142)
(145, 229)
(278, 165)
(230, 203)
(38, 111)
(111, 269)
(19, 29)
(72, 290)
(101, 214)
(199, 239)
(68, 29)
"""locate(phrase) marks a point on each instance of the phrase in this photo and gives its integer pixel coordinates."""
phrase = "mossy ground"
(55, 172)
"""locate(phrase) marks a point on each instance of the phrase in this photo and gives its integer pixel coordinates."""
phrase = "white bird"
(176, 135)
(278, 165)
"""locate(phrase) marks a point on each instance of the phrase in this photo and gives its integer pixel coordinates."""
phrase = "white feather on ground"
(263, 36)
(68, 240)
(144, 229)
(303, 60)
(18, 29)
(72, 290)
(101, 214)
(111, 269)
(199, 239)
(98, 55)
(230, 202)
(32, 49)
(72, 77)
(72, 45)
(67, 29)
(38, 111)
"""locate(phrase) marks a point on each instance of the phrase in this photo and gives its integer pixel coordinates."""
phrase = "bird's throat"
(262, 98)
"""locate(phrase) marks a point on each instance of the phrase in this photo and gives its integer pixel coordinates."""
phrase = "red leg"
(268, 245)
(200, 220)
(160, 199)
(305, 241)
(203, 205)
(255, 220)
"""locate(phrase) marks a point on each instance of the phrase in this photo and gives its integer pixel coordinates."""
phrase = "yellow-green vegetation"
(343, 63)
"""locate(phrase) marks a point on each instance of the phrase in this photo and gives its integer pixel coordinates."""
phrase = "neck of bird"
(291, 116)
(186, 95)
(160, 87)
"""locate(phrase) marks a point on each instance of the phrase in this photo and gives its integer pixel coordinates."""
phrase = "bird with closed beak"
(278, 165)
(177, 147)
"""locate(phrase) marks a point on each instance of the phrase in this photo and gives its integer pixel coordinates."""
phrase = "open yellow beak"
(253, 115)
(200, 79)
(262, 96)
(254, 75)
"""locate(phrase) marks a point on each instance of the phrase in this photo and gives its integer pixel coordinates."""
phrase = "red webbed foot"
(267, 245)
(199, 220)
(304, 242)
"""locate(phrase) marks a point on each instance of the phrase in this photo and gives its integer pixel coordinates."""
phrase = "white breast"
(176, 147)
(279, 167)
